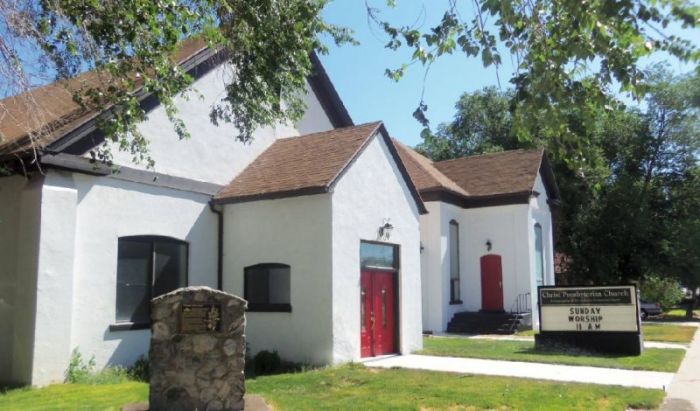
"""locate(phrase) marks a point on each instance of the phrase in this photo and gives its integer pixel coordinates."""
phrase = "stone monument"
(197, 354)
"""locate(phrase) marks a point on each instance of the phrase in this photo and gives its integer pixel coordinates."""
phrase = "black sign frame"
(610, 342)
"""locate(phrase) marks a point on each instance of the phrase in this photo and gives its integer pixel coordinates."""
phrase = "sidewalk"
(552, 372)
(684, 392)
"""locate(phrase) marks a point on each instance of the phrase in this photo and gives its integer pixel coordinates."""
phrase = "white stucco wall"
(20, 209)
(432, 256)
(55, 278)
(212, 154)
(370, 191)
(315, 118)
(506, 228)
(108, 209)
(295, 231)
(540, 212)
(63, 270)
(510, 228)
(73, 266)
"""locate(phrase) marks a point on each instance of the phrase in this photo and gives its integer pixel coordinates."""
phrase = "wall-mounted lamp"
(488, 245)
(385, 230)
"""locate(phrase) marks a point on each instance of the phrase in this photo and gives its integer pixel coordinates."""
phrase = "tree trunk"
(692, 305)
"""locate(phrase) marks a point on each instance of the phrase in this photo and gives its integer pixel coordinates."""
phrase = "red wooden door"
(491, 283)
(377, 311)
(383, 299)
(366, 314)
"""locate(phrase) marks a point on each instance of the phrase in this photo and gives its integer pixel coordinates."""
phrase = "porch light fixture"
(385, 230)
(488, 245)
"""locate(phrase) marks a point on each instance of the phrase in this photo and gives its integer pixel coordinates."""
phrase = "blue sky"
(358, 71)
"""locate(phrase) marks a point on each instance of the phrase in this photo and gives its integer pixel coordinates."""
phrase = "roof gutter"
(216, 209)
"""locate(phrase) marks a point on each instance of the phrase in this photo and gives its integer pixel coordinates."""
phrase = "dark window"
(539, 255)
(267, 287)
(454, 263)
(147, 267)
(378, 255)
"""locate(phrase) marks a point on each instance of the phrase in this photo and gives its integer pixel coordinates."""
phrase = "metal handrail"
(521, 304)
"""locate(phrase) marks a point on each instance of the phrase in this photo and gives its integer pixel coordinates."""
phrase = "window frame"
(455, 290)
(267, 307)
(395, 270)
(122, 325)
(538, 228)
(395, 254)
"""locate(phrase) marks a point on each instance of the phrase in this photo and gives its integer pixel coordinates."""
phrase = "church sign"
(589, 308)
(604, 319)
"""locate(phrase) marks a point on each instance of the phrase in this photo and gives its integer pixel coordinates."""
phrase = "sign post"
(603, 319)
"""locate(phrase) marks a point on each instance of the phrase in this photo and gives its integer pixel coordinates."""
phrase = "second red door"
(377, 313)
(491, 283)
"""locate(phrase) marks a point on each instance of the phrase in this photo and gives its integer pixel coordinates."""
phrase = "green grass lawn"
(75, 397)
(526, 333)
(654, 359)
(354, 387)
(679, 314)
(653, 332)
(668, 333)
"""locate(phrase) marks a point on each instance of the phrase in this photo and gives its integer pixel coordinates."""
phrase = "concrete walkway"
(553, 372)
(684, 392)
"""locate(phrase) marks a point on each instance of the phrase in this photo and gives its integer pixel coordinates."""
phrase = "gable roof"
(495, 173)
(423, 172)
(476, 181)
(61, 118)
(59, 113)
(309, 164)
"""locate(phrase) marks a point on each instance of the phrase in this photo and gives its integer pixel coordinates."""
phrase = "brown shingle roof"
(480, 181)
(49, 112)
(493, 174)
(309, 164)
(423, 173)
(305, 165)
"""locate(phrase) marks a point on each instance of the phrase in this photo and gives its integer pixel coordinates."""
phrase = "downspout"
(216, 209)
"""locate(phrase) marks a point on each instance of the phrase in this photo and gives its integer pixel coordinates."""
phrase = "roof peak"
(309, 164)
(376, 125)
(494, 154)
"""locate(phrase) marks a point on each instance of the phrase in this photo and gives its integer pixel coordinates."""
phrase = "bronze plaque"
(200, 318)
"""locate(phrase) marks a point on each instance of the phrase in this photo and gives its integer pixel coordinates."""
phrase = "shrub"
(266, 362)
(78, 369)
(110, 375)
(81, 372)
(139, 370)
(664, 291)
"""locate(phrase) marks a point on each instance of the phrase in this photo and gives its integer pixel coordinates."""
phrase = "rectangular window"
(147, 267)
(377, 255)
(267, 287)
(455, 297)
(539, 255)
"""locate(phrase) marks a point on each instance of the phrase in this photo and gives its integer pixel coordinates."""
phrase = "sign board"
(589, 309)
(200, 318)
